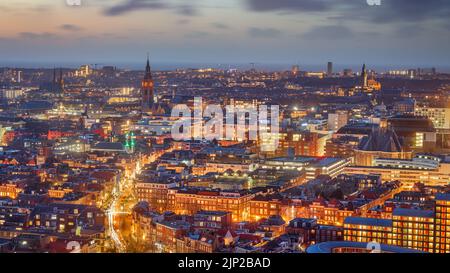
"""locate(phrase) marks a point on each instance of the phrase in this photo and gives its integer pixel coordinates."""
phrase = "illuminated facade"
(155, 193)
(192, 201)
(9, 190)
(442, 236)
(423, 230)
(413, 229)
(439, 116)
(407, 176)
(358, 229)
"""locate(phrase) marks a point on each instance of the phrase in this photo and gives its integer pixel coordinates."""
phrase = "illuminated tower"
(147, 90)
(364, 76)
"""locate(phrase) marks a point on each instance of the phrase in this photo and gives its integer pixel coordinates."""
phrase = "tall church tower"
(364, 76)
(147, 88)
(61, 80)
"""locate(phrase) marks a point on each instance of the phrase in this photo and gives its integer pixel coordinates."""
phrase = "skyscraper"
(330, 69)
(147, 90)
(19, 76)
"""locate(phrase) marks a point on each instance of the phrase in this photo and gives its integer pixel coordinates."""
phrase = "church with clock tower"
(149, 103)
(147, 89)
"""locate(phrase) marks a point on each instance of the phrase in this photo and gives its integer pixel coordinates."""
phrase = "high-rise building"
(19, 76)
(330, 69)
(413, 229)
(424, 230)
(442, 221)
(147, 90)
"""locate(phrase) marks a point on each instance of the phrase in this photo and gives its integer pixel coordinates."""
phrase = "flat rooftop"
(328, 247)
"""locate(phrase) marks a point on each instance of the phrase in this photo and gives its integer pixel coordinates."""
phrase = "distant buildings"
(84, 71)
(352, 165)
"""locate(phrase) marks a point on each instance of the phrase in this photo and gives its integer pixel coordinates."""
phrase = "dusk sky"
(399, 32)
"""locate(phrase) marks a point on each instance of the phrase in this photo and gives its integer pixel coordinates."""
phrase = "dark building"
(381, 143)
(417, 133)
(341, 146)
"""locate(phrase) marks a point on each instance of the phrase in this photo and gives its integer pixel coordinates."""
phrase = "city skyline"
(266, 32)
(232, 127)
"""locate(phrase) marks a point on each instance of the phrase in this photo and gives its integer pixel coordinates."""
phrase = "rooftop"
(328, 247)
(413, 213)
(368, 221)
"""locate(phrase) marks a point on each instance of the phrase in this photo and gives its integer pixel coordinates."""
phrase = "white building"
(439, 116)
(337, 120)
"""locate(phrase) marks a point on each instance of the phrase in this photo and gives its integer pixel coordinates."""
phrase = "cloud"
(219, 25)
(70, 27)
(186, 10)
(409, 31)
(34, 35)
(135, 5)
(329, 33)
(264, 32)
(127, 6)
(412, 10)
(389, 11)
(287, 5)
(197, 34)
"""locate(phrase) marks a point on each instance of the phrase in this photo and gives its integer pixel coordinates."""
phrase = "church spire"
(148, 70)
(364, 76)
(147, 88)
